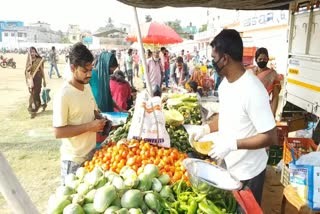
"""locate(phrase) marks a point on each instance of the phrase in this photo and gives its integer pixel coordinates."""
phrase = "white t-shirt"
(244, 111)
(74, 107)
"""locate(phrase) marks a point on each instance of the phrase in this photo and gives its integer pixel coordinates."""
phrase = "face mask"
(216, 67)
(262, 64)
(156, 59)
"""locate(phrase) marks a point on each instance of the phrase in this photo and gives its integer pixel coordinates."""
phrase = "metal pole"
(12, 190)
(142, 55)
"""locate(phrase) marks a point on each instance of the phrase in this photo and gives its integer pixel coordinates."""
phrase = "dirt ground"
(33, 152)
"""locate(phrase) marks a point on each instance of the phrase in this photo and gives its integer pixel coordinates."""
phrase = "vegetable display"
(137, 155)
(107, 192)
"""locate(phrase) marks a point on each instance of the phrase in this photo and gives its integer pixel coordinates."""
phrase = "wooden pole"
(12, 190)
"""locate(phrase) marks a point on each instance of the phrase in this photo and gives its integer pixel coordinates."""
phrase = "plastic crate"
(249, 51)
(285, 176)
(282, 131)
(300, 147)
(275, 155)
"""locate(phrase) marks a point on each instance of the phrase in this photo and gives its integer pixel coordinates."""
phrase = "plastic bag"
(148, 121)
(45, 95)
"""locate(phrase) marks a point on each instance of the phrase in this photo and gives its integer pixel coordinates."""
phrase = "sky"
(91, 15)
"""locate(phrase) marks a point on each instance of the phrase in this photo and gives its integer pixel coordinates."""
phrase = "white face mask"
(156, 59)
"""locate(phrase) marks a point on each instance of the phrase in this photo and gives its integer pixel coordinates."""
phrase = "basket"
(275, 155)
(285, 176)
(282, 131)
(300, 146)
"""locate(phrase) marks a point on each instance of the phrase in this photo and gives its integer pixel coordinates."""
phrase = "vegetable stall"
(137, 176)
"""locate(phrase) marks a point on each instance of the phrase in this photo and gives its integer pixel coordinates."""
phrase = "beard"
(83, 82)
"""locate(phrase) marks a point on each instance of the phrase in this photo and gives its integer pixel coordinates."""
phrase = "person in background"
(34, 74)
(120, 89)
(132, 98)
(162, 60)
(269, 77)
(166, 67)
(94, 78)
(179, 73)
(245, 123)
(75, 113)
(194, 88)
(184, 57)
(196, 59)
(129, 66)
(136, 61)
(53, 62)
(188, 56)
(155, 69)
(106, 65)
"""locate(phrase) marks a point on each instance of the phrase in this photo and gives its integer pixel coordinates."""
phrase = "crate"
(300, 147)
(285, 176)
(282, 131)
(275, 155)
(249, 51)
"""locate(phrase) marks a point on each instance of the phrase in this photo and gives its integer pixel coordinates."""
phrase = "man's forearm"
(71, 130)
(259, 141)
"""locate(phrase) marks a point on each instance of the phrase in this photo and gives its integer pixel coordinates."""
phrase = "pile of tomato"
(137, 154)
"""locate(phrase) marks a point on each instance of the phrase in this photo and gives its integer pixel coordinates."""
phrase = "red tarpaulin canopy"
(156, 33)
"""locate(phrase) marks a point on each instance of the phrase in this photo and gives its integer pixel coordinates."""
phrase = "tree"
(110, 22)
(148, 18)
(176, 25)
(65, 40)
(203, 28)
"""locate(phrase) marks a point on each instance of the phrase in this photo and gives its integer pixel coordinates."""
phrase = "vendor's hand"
(97, 125)
(222, 147)
(44, 84)
(198, 133)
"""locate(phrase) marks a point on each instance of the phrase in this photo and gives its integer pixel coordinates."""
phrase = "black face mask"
(216, 67)
(262, 64)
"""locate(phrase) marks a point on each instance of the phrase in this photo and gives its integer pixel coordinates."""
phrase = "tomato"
(131, 161)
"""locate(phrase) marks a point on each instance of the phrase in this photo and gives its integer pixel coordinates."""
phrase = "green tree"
(176, 25)
(203, 28)
(110, 22)
(148, 18)
(65, 40)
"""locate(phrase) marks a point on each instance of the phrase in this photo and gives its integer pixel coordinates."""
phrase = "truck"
(302, 82)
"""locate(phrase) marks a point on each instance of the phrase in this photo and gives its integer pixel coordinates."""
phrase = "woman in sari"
(107, 64)
(269, 77)
(34, 74)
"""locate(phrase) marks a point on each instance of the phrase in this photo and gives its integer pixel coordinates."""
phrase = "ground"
(33, 152)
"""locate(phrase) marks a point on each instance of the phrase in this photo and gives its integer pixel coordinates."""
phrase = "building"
(40, 32)
(112, 36)
(74, 33)
(266, 29)
(14, 34)
(6, 24)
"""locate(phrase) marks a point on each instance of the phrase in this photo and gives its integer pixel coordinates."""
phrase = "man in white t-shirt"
(245, 122)
(75, 113)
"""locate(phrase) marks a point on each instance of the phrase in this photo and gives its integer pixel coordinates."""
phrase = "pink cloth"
(120, 93)
(155, 70)
(136, 59)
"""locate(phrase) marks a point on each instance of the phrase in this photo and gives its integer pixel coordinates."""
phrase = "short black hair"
(53, 48)
(130, 50)
(80, 55)
(179, 59)
(193, 85)
(261, 51)
(229, 41)
(162, 49)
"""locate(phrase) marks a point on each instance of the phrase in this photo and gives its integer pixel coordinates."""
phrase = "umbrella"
(156, 33)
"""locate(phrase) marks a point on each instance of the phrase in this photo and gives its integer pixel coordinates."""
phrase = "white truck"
(302, 83)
